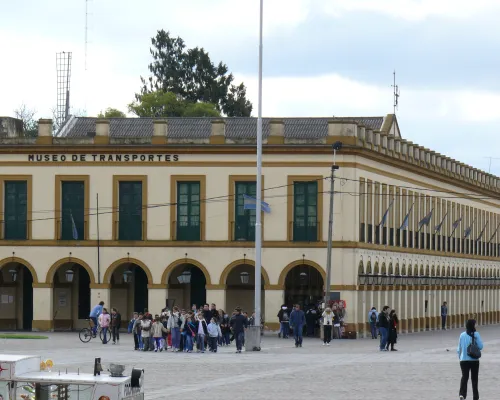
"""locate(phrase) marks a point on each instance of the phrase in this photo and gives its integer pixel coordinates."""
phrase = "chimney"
(218, 134)
(101, 131)
(160, 131)
(44, 132)
(276, 131)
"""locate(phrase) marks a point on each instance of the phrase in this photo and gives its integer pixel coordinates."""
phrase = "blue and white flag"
(384, 218)
(482, 232)
(425, 221)
(73, 227)
(469, 230)
(438, 227)
(250, 203)
(404, 225)
(455, 225)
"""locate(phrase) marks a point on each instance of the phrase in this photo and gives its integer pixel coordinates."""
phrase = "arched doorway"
(129, 289)
(304, 285)
(187, 285)
(16, 296)
(240, 288)
(71, 294)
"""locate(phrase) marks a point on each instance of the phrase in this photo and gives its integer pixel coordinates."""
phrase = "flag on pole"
(425, 221)
(455, 225)
(384, 218)
(469, 230)
(482, 232)
(438, 227)
(250, 203)
(494, 233)
(404, 225)
(73, 226)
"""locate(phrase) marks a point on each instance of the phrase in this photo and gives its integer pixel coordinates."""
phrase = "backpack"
(373, 317)
(473, 350)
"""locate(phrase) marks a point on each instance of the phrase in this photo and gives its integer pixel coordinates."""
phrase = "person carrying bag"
(469, 353)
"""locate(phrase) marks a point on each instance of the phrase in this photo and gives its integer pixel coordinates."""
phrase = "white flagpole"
(258, 212)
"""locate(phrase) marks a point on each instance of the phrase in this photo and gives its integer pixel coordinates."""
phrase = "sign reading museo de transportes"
(103, 158)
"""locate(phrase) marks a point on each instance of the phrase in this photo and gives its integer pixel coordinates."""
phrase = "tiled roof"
(236, 128)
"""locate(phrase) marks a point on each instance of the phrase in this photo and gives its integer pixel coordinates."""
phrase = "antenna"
(86, 29)
(396, 93)
(491, 158)
(63, 65)
(396, 99)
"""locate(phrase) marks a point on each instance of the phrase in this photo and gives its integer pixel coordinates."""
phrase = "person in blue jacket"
(94, 315)
(297, 322)
(467, 363)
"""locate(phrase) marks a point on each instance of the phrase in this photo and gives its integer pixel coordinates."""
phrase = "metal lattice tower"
(63, 63)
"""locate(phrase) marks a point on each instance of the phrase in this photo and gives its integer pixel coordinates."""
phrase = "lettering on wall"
(103, 158)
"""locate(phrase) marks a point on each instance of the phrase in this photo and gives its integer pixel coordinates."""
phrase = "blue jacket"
(370, 315)
(297, 318)
(464, 341)
(96, 311)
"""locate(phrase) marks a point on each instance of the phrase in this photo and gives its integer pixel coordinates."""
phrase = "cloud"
(413, 10)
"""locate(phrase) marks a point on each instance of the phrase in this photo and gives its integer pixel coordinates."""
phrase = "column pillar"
(217, 294)
(274, 296)
(157, 297)
(43, 307)
(100, 292)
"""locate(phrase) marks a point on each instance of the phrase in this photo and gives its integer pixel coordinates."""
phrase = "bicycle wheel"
(85, 335)
(108, 335)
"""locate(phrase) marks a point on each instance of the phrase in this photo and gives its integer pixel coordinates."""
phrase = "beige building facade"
(146, 213)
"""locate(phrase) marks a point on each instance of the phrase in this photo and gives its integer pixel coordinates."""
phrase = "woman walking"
(328, 318)
(393, 330)
(104, 322)
(469, 360)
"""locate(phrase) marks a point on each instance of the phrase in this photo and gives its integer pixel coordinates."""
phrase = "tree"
(160, 104)
(191, 75)
(111, 113)
(27, 115)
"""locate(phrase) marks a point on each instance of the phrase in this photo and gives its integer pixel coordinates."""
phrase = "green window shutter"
(188, 211)
(16, 210)
(73, 206)
(244, 220)
(305, 211)
(130, 211)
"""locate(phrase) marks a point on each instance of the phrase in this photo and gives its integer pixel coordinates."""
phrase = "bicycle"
(86, 334)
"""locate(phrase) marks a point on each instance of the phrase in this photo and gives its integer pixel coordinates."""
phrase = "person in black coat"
(393, 331)
(383, 327)
(238, 325)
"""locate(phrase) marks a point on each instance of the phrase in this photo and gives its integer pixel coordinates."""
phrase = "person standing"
(327, 326)
(238, 325)
(468, 363)
(311, 319)
(175, 327)
(372, 320)
(383, 327)
(284, 318)
(444, 315)
(146, 333)
(116, 321)
(297, 322)
(214, 333)
(104, 321)
(157, 330)
(94, 315)
(137, 332)
(393, 330)
(201, 332)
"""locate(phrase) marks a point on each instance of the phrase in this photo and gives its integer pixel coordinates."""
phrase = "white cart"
(21, 378)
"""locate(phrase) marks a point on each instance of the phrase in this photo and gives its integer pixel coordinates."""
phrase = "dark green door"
(305, 210)
(188, 211)
(73, 210)
(244, 224)
(130, 211)
(15, 210)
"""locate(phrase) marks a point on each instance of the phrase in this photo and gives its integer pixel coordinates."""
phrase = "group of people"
(177, 329)
(385, 325)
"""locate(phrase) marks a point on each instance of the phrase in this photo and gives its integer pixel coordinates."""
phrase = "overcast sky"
(321, 58)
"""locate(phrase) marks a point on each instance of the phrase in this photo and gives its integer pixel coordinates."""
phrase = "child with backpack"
(213, 334)
(372, 320)
(157, 330)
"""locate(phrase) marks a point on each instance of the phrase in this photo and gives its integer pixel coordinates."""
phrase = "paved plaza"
(423, 368)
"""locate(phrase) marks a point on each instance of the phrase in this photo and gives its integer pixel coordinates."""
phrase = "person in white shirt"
(327, 326)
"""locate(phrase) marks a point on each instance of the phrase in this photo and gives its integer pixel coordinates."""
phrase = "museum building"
(141, 212)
